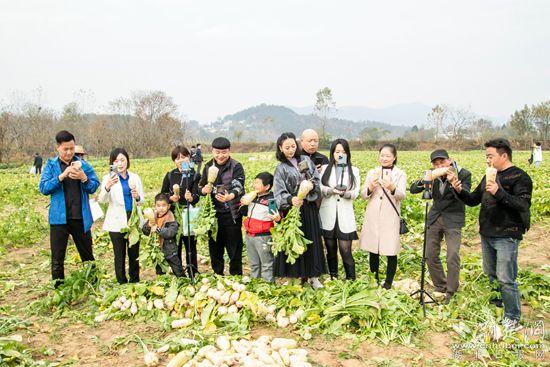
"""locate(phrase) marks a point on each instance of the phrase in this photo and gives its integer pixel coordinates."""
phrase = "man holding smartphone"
(229, 188)
(68, 180)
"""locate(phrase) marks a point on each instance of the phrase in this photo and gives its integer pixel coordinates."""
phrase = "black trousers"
(191, 255)
(38, 170)
(374, 264)
(120, 247)
(229, 238)
(59, 236)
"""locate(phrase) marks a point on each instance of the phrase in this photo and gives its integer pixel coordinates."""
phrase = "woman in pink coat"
(380, 232)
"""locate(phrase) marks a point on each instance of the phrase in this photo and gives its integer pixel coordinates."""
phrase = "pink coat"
(380, 232)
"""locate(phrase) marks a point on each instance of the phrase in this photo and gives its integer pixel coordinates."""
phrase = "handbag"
(193, 215)
(402, 224)
(96, 210)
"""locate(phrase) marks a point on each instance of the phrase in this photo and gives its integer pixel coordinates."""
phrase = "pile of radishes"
(262, 352)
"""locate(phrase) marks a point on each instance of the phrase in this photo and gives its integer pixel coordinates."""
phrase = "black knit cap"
(221, 143)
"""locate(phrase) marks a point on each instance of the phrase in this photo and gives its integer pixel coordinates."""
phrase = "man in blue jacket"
(68, 180)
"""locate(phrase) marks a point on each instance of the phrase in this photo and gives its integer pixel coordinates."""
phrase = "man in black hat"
(445, 219)
(226, 194)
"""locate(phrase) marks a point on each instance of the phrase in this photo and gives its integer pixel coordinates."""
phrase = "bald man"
(310, 143)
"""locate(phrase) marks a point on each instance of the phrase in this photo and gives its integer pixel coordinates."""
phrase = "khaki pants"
(435, 234)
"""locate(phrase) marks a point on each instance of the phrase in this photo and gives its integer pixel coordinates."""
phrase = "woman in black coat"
(188, 179)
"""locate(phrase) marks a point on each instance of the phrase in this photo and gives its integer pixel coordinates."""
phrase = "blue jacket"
(50, 185)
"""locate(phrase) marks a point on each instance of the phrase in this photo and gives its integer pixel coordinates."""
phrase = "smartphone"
(342, 160)
(112, 170)
(272, 205)
(220, 189)
(386, 174)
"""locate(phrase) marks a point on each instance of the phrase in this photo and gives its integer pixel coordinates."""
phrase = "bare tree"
(459, 120)
(436, 119)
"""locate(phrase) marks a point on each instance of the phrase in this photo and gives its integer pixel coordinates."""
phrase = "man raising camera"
(445, 220)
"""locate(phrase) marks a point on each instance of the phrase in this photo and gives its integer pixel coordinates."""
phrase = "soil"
(71, 341)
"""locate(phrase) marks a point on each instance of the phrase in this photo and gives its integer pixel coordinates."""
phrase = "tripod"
(189, 265)
(426, 195)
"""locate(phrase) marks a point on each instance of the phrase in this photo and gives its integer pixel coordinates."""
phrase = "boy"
(260, 219)
(166, 227)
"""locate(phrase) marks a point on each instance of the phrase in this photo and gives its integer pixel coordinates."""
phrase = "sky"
(218, 57)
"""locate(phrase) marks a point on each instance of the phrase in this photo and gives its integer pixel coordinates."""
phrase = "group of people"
(326, 212)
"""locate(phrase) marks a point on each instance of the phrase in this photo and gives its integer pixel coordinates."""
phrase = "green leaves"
(287, 237)
(151, 254)
(207, 223)
(133, 230)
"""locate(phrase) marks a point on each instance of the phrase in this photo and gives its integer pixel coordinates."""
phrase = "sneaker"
(511, 325)
(315, 283)
(448, 298)
(496, 302)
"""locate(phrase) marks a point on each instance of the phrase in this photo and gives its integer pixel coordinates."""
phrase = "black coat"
(448, 205)
(176, 177)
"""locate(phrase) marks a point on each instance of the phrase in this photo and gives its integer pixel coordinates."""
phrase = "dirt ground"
(72, 342)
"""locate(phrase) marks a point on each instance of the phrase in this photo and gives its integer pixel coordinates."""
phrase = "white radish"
(151, 359)
(181, 323)
(278, 343)
(223, 342)
(158, 303)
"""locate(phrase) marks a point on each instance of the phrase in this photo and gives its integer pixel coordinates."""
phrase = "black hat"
(221, 143)
(439, 153)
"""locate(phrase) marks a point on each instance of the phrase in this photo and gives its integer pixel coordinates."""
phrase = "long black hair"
(332, 162)
(279, 154)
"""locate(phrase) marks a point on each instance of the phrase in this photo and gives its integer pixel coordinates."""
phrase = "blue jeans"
(500, 262)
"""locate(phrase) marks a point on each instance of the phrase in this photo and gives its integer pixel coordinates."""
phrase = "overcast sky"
(218, 57)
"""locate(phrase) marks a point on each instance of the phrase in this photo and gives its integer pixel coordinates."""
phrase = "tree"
(459, 119)
(323, 103)
(436, 119)
(482, 130)
(541, 116)
(522, 122)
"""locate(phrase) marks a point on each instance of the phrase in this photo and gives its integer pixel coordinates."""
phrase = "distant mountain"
(405, 114)
(266, 122)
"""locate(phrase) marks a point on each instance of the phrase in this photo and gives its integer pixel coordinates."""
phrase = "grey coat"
(287, 181)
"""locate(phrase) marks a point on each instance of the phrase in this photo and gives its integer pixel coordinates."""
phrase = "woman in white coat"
(118, 189)
(384, 189)
(340, 185)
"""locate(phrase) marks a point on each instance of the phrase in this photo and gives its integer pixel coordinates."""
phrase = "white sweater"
(115, 218)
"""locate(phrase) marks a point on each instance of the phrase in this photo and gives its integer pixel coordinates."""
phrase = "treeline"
(146, 124)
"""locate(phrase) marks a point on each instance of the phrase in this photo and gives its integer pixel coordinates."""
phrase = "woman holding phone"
(384, 188)
(119, 189)
(185, 180)
(340, 183)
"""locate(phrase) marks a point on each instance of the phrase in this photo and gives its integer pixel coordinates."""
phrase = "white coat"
(115, 218)
(334, 205)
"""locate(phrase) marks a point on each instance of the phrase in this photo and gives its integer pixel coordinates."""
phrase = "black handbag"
(402, 224)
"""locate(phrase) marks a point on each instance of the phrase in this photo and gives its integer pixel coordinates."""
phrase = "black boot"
(350, 271)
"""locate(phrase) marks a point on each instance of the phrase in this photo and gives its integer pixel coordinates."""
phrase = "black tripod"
(426, 195)
(189, 265)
